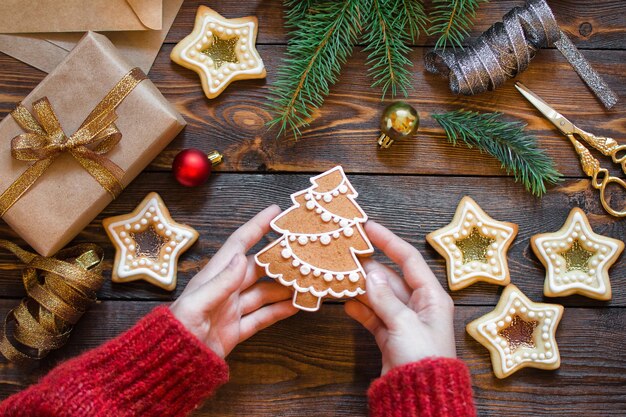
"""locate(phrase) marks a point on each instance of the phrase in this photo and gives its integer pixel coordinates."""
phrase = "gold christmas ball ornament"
(398, 121)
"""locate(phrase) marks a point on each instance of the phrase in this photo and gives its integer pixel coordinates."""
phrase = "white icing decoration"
(353, 277)
(149, 214)
(286, 253)
(562, 282)
(324, 238)
(303, 240)
(201, 42)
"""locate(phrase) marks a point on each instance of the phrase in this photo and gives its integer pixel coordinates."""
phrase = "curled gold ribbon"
(44, 140)
(56, 299)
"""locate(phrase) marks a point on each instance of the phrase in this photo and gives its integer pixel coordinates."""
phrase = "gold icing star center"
(520, 333)
(148, 243)
(475, 247)
(222, 51)
(577, 257)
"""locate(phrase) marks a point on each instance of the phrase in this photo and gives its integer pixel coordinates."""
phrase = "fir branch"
(452, 20)
(387, 41)
(320, 44)
(516, 150)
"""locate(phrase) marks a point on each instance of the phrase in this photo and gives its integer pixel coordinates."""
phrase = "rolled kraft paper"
(506, 48)
(66, 198)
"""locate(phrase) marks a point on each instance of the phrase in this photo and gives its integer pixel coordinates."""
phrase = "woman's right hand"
(411, 318)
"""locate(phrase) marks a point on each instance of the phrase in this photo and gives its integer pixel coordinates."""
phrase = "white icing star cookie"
(148, 243)
(220, 50)
(577, 260)
(519, 333)
(474, 246)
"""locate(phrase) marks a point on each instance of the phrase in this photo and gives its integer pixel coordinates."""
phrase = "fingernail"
(377, 277)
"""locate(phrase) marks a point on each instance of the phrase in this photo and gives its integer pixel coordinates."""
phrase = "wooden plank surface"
(345, 129)
(412, 206)
(322, 363)
(597, 27)
(325, 361)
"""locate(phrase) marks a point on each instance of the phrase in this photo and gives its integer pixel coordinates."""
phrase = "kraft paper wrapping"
(30, 16)
(66, 198)
(45, 51)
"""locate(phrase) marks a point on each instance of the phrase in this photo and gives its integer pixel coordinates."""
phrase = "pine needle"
(452, 21)
(296, 10)
(516, 150)
(320, 44)
(387, 42)
(414, 16)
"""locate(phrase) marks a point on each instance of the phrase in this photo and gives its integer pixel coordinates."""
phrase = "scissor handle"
(600, 177)
(606, 180)
(607, 146)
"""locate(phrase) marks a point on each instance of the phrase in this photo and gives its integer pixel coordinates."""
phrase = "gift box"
(95, 96)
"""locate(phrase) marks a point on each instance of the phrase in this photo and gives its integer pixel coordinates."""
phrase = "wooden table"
(322, 363)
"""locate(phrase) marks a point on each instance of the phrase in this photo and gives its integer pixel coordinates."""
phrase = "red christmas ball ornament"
(192, 167)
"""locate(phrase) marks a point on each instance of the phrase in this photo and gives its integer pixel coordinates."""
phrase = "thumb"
(220, 287)
(382, 298)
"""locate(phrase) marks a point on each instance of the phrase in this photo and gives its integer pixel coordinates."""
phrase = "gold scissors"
(600, 177)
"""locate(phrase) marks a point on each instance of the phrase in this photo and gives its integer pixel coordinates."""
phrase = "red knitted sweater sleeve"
(157, 368)
(432, 387)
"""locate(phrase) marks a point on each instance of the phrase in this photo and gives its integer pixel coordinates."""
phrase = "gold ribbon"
(56, 299)
(45, 140)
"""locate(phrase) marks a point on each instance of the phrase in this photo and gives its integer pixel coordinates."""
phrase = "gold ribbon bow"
(56, 300)
(45, 140)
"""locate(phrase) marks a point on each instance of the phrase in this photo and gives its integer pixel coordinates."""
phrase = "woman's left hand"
(223, 305)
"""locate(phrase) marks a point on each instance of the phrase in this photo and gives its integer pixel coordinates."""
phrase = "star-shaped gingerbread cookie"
(577, 260)
(220, 50)
(519, 333)
(148, 243)
(474, 246)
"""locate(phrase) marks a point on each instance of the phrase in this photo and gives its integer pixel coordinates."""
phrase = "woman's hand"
(224, 304)
(411, 318)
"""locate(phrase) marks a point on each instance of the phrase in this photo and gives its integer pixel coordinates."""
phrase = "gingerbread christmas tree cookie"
(220, 50)
(474, 246)
(322, 239)
(519, 333)
(148, 243)
(577, 260)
